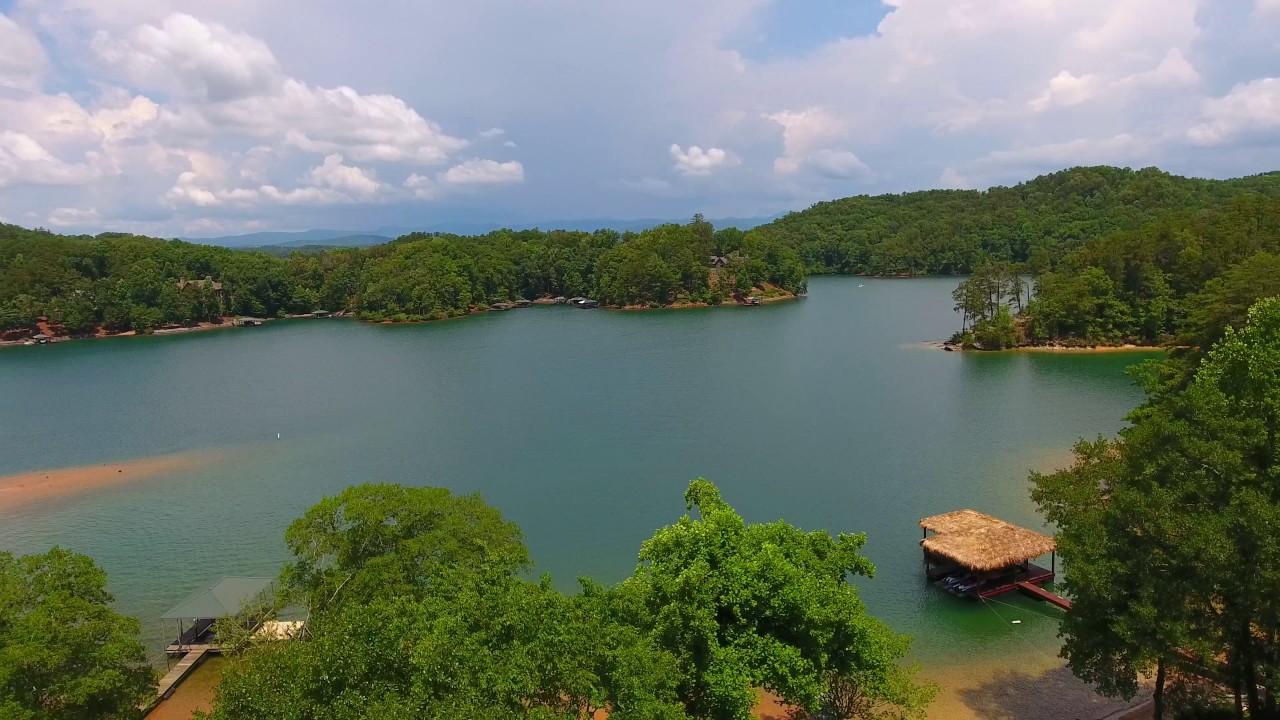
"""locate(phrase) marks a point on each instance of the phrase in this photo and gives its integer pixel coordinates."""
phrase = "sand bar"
(16, 490)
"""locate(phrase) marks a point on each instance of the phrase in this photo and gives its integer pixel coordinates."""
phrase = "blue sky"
(177, 117)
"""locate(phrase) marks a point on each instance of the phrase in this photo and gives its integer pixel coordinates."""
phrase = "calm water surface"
(583, 426)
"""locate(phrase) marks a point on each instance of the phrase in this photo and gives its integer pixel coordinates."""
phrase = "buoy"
(277, 436)
(1017, 622)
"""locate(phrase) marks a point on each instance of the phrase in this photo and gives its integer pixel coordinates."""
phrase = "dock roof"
(219, 598)
(980, 542)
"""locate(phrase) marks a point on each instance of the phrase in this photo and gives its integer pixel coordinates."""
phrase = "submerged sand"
(16, 490)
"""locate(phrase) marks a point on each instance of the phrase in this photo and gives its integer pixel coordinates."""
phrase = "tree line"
(420, 606)
(121, 282)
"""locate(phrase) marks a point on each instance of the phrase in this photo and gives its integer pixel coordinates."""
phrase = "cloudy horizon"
(172, 117)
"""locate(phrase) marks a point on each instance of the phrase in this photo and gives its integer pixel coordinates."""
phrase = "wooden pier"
(1040, 593)
(195, 653)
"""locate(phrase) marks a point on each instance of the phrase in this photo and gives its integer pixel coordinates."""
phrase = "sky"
(178, 117)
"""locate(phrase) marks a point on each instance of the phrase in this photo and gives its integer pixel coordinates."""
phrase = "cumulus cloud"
(478, 171)
(953, 180)
(229, 82)
(22, 61)
(1251, 107)
(1064, 90)
(73, 217)
(696, 161)
(124, 93)
(23, 160)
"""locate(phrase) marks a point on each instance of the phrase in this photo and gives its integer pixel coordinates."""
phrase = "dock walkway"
(179, 671)
(1042, 594)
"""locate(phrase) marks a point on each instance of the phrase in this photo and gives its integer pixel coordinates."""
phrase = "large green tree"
(65, 654)
(745, 606)
(1172, 534)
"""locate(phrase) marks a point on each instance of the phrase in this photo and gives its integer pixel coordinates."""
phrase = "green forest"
(119, 282)
(1113, 255)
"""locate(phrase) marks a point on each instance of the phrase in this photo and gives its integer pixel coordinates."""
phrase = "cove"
(582, 426)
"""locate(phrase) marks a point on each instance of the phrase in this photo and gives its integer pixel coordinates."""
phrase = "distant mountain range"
(365, 238)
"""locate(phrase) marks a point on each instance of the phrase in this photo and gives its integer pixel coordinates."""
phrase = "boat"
(522, 303)
(501, 306)
(751, 300)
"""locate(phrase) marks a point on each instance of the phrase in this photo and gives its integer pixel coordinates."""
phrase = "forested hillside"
(1118, 256)
(119, 282)
(1037, 222)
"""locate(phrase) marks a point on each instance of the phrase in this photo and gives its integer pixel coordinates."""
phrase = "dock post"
(1053, 564)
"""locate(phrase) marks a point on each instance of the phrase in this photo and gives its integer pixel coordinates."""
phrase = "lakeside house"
(207, 283)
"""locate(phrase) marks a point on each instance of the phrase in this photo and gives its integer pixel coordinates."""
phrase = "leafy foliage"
(123, 282)
(424, 615)
(64, 653)
(1172, 533)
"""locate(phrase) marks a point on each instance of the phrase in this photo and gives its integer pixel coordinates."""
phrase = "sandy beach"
(30, 487)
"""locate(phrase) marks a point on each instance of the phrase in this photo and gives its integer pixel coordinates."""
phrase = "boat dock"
(1040, 593)
(195, 654)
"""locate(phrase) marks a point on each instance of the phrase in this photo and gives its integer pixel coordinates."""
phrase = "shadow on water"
(1054, 694)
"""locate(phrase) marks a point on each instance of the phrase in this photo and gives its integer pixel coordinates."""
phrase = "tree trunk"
(1235, 690)
(1157, 698)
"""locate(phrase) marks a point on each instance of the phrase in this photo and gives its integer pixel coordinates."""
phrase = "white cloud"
(193, 60)
(422, 187)
(1251, 107)
(22, 59)
(24, 161)
(838, 164)
(492, 133)
(1265, 7)
(804, 132)
(226, 82)
(1064, 90)
(477, 171)
(696, 161)
(73, 217)
(354, 181)
(1173, 71)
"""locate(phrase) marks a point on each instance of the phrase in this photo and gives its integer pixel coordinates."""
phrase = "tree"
(384, 539)
(1172, 534)
(744, 606)
(432, 621)
(64, 653)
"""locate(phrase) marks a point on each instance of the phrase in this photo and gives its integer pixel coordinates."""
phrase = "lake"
(584, 427)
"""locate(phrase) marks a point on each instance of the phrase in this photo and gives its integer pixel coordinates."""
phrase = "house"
(719, 261)
(210, 283)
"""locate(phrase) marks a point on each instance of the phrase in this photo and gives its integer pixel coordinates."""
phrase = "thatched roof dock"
(980, 542)
(975, 554)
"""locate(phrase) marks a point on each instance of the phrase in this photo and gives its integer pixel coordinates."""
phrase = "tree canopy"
(1172, 532)
(64, 653)
(427, 616)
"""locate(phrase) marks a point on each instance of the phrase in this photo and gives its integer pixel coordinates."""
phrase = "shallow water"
(582, 426)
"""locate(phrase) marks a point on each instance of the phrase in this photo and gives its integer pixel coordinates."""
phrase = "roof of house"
(213, 284)
(219, 599)
(980, 542)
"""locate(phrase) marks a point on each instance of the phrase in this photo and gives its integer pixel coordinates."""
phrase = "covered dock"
(972, 554)
(194, 616)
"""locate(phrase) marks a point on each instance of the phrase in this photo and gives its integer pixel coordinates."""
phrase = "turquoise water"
(582, 426)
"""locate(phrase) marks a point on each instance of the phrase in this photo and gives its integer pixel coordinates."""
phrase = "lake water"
(584, 427)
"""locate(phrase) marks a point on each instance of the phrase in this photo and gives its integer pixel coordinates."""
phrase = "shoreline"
(56, 483)
(228, 322)
(1126, 348)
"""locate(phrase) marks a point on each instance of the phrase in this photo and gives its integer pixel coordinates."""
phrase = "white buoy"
(277, 436)
(1017, 622)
